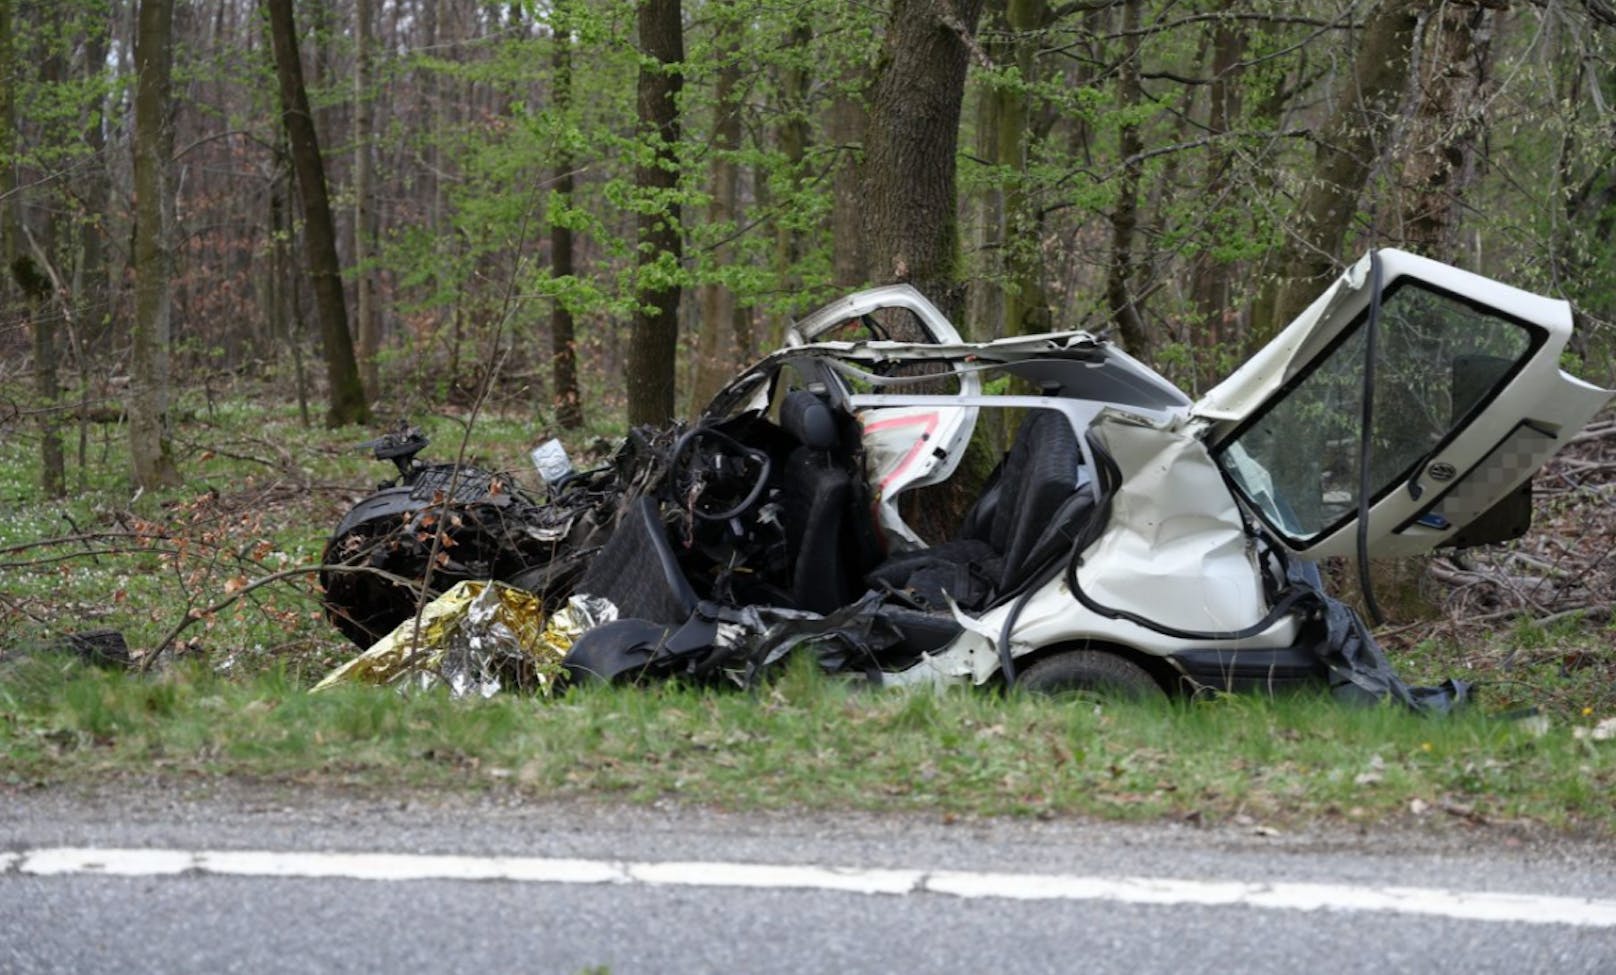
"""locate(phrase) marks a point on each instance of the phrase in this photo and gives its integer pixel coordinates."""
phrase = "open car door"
(1468, 401)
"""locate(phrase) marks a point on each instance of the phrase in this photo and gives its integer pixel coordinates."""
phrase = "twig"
(193, 615)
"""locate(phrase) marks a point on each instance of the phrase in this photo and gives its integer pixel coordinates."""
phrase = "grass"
(262, 492)
(811, 742)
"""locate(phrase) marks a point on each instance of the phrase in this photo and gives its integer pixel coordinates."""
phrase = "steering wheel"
(714, 477)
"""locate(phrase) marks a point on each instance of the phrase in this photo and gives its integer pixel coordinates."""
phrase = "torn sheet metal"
(1175, 549)
(475, 639)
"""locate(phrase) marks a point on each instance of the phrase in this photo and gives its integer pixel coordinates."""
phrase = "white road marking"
(1464, 905)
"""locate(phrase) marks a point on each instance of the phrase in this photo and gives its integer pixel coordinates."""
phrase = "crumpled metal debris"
(477, 638)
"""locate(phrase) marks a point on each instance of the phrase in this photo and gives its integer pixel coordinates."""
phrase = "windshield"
(1439, 360)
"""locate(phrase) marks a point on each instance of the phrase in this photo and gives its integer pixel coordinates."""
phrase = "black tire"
(1090, 672)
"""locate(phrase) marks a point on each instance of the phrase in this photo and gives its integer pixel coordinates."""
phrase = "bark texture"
(909, 192)
(365, 312)
(346, 402)
(722, 346)
(654, 341)
(1352, 141)
(565, 399)
(150, 451)
(1448, 121)
(1119, 281)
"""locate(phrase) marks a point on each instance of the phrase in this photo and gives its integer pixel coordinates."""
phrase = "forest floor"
(219, 573)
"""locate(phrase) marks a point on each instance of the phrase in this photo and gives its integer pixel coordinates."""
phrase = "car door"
(1468, 402)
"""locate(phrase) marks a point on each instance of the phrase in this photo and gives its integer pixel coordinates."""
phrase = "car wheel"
(1090, 672)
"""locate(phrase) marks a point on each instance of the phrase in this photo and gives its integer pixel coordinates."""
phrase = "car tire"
(1090, 672)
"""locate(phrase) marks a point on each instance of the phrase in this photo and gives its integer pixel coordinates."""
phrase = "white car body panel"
(1481, 457)
(1177, 552)
(1175, 549)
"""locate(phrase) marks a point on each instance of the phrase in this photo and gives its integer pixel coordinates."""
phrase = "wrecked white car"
(1129, 539)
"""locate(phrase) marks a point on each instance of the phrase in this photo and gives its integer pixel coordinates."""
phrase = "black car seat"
(819, 493)
(638, 570)
(1022, 517)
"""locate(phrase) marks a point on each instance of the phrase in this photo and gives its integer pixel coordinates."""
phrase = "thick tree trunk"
(149, 449)
(566, 399)
(347, 402)
(909, 193)
(910, 198)
(1351, 142)
(653, 345)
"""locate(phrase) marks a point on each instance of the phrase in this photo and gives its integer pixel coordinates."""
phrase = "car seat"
(819, 494)
(1030, 510)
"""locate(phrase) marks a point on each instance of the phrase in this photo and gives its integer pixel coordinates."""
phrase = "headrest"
(808, 418)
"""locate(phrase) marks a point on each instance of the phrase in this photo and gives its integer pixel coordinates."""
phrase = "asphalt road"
(199, 922)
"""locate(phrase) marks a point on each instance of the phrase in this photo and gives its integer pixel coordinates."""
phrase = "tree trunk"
(8, 144)
(718, 348)
(850, 265)
(1209, 285)
(792, 136)
(568, 402)
(47, 380)
(1026, 307)
(1450, 117)
(909, 194)
(149, 449)
(94, 283)
(654, 341)
(347, 402)
(1351, 142)
(364, 279)
(1119, 281)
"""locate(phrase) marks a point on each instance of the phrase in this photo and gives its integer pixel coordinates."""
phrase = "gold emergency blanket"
(477, 638)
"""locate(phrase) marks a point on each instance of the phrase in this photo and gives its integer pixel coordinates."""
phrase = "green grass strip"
(816, 743)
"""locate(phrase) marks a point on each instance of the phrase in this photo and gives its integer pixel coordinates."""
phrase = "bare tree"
(150, 451)
(347, 402)
(653, 345)
(569, 409)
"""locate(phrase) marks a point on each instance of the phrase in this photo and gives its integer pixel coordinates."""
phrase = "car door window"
(1439, 360)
